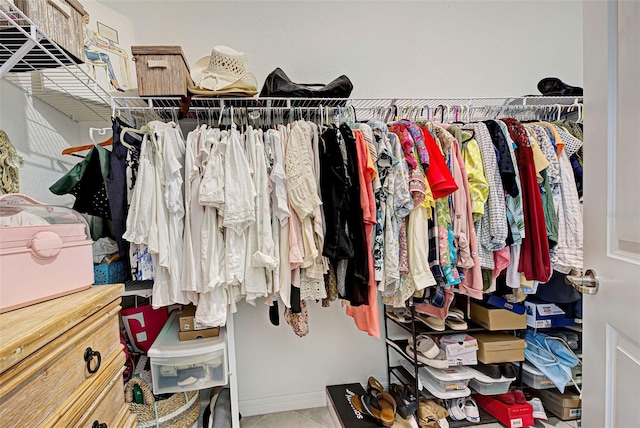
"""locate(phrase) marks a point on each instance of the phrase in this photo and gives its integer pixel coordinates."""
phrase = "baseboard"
(288, 402)
(282, 403)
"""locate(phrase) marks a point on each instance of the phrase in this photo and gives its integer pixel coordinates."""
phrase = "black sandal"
(405, 401)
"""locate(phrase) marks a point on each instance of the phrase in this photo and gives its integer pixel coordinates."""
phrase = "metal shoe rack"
(412, 380)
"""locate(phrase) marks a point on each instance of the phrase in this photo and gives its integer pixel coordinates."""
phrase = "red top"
(438, 175)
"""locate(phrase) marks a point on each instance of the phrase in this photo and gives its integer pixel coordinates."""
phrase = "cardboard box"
(496, 319)
(499, 348)
(565, 406)
(545, 315)
(513, 416)
(461, 349)
(564, 413)
(187, 320)
(568, 399)
(199, 334)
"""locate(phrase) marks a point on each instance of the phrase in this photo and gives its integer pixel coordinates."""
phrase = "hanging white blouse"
(279, 207)
(213, 307)
(279, 200)
(260, 247)
(194, 213)
(173, 156)
(213, 179)
(158, 240)
(301, 183)
(239, 207)
(139, 216)
(239, 193)
(212, 237)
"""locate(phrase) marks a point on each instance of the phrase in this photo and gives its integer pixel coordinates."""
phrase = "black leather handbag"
(278, 85)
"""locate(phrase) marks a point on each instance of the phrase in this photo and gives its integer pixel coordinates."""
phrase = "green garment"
(87, 181)
(550, 214)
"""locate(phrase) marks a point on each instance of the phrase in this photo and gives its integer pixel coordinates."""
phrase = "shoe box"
(499, 348)
(565, 406)
(496, 319)
(188, 320)
(460, 348)
(511, 415)
(343, 413)
(545, 315)
(190, 329)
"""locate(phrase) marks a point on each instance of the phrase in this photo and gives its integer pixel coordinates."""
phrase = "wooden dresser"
(61, 363)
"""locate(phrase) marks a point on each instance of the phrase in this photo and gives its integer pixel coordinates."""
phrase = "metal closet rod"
(465, 113)
(381, 108)
(442, 107)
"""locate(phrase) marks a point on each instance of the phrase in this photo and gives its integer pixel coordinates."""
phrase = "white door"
(611, 335)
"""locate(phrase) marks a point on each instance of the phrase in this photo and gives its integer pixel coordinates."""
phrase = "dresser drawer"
(128, 420)
(47, 379)
(109, 407)
(85, 399)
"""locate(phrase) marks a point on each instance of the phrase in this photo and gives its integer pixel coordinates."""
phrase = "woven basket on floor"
(181, 410)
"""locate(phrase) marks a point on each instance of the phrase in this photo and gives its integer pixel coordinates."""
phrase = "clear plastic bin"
(188, 374)
(428, 383)
(178, 366)
(534, 378)
(451, 379)
(485, 385)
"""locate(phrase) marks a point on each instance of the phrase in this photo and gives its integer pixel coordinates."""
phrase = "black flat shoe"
(508, 370)
(491, 370)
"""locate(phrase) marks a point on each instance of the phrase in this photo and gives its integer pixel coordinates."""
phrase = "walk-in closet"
(319, 214)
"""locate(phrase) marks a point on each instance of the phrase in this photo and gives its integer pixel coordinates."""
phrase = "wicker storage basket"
(161, 71)
(60, 20)
(181, 410)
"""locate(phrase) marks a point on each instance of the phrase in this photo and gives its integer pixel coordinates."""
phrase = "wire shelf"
(42, 69)
(357, 103)
(451, 109)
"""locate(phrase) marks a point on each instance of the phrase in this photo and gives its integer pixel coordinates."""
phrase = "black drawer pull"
(97, 424)
(88, 356)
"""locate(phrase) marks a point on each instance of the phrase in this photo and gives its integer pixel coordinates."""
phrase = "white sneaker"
(471, 410)
(538, 409)
(455, 407)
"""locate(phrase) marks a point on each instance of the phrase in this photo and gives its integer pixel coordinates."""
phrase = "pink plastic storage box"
(45, 252)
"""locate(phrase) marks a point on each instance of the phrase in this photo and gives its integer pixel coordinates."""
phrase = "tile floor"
(307, 418)
(320, 418)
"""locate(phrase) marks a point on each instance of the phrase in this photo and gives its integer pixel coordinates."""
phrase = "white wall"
(388, 49)
(39, 133)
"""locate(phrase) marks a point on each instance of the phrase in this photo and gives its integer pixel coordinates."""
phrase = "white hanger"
(100, 131)
(559, 111)
(580, 112)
